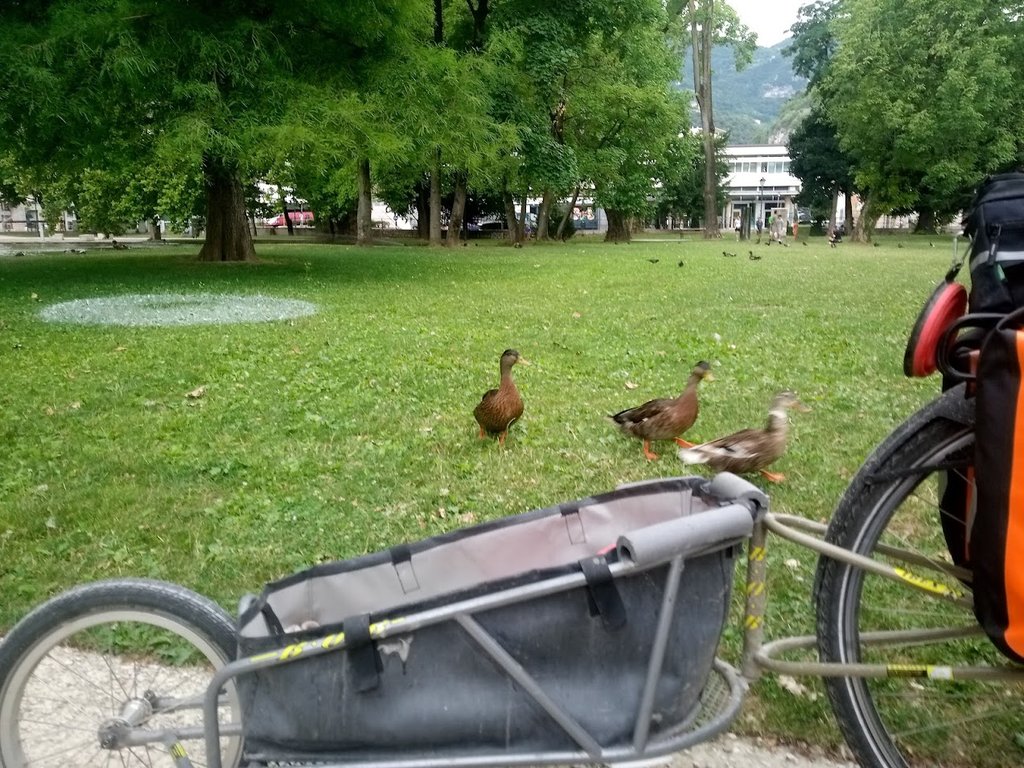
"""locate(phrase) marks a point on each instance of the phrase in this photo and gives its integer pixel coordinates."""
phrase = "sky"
(770, 19)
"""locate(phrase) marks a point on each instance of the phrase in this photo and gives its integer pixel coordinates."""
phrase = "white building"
(25, 217)
(759, 182)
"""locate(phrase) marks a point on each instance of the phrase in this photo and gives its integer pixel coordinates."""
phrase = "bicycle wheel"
(897, 499)
(136, 649)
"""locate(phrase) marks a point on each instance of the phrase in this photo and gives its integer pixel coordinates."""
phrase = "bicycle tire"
(71, 663)
(896, 498)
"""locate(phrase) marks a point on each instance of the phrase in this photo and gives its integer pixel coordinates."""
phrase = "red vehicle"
(299, 219)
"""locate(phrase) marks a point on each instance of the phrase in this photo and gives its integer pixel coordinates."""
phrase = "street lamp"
(760, 194)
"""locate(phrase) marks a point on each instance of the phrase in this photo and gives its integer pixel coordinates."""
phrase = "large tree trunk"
(832, 214)
(618, 227)
(544, 214)
(284, 211)
(479, 12)
(522, 214)
(345, 223)
(701, 29)
(364, 210)
(560, 234)
(514, 233)
(848, 210)
(435, 200)
(925, 222)
(865, 226)
(458, 210)
(422, 210)
(227, 233)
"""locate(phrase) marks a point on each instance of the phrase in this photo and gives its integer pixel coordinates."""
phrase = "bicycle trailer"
(582, 632)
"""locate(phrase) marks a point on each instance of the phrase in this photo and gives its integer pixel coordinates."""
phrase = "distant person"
(796, 227)
(777, 228)
(758, 225)
(835, 236)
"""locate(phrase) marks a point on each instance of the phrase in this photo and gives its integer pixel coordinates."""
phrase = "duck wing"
(498, 408)
(743, 451)
(488, 395)
(642, 413)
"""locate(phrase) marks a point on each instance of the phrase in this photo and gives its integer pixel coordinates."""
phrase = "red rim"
(947, 303)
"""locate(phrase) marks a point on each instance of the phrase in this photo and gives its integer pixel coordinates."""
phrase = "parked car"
(299, 219)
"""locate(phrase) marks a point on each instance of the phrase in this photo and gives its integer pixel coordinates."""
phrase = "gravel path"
(731, 751)
(80, 685)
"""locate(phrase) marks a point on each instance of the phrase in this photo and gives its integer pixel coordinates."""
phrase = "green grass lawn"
(351, 430)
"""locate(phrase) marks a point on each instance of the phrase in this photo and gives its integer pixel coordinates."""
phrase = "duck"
(665, 418)
(750, 450)
(499, 408)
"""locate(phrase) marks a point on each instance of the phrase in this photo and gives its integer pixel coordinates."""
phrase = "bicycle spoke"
(906, 503)
(140, 636)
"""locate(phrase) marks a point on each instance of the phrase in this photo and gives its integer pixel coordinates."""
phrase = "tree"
(203, 83)
(821, 165)
(813, 43)
(819, 161)
(924, 98)
(709, 24)
(622, 118)
(680, 174)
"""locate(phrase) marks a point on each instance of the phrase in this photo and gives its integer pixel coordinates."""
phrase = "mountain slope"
(748, 103)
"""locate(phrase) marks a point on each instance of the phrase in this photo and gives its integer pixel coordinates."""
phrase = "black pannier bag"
(995, 223)
(434, 692)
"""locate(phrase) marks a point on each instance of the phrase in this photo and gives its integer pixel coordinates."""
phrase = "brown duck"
(664, 418)
(749, 450)
(499, 408)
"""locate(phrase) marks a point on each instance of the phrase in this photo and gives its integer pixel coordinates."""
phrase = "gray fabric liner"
(441, 696)
(490, 554)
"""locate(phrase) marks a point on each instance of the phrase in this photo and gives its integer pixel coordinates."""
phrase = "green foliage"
(173, 84)
(923, 96)
(127, 104)
(813, 43)
(819, 161)
(680, 173)
(624, 117)
(12, 186)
